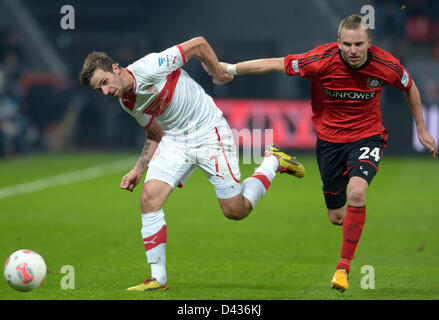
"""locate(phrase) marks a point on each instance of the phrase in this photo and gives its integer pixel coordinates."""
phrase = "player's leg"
(352, 229)
(164, 173)
(336, 216)
(154, 233)
(154, 195)
(235, 208)
(239, 206)
(331, 160)
(354, 221)
(362, 166)
(253, 188)
(222, 167)
(256, 186)
(356, 197)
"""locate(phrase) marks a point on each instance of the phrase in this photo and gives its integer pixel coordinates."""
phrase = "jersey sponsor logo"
(170, 60)
(295, 65)
(405, 79)
(350, 94)
(373, 83)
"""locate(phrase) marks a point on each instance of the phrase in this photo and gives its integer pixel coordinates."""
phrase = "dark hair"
(94, 60)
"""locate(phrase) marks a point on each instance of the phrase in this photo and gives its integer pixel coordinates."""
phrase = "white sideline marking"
(67, 178)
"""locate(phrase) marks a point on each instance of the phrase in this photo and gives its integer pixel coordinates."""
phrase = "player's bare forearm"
(132, 178)
(414, 101)
(259, 66)
(153, 137)
(148, 150)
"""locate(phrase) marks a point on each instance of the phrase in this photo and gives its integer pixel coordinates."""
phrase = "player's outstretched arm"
(154, 134)
(259, 66)
(200, 48)
(414, 100)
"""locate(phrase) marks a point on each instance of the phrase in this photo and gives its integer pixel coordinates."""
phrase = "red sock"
(352, 227)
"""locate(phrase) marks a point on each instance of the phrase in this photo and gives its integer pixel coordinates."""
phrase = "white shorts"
(213, 151)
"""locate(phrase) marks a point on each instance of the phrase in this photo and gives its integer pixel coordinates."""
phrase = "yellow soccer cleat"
(340, 280)
(287, 164)
(149, 285)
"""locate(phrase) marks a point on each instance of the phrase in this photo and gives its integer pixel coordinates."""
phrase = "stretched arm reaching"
(414, 100)
(258, 66)
(153, 136)
(200, 48)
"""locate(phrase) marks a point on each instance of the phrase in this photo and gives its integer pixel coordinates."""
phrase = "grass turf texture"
(286, 249)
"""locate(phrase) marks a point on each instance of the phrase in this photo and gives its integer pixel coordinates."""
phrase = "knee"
(336, 219)
(356, 196)
(149, 201)
(234, 214)
(336, 216)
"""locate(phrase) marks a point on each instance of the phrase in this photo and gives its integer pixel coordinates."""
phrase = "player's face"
(354, 45)
(109, 83)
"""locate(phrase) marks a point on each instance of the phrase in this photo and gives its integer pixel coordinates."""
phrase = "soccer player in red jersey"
(347, 77)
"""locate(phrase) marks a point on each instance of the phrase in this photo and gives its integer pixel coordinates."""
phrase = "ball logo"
(25, 273)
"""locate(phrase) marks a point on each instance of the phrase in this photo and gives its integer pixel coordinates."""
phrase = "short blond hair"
(352, 22)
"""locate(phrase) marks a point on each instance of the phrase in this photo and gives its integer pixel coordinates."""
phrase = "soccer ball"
(25, 270)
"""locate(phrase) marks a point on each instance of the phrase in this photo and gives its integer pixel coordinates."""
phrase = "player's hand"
(130, 180)
(222, 79)
(428, 141)
(207, 69)
(224, 66)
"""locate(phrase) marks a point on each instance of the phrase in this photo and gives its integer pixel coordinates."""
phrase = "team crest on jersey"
(152, 89)
(373, 83)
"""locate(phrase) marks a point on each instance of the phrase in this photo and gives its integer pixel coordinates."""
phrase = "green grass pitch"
(285, 250)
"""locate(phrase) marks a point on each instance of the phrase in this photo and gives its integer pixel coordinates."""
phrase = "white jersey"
(167, 93)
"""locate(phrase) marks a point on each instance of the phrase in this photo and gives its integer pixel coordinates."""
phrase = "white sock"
(255, 187)
(269, 167)
(154, 233)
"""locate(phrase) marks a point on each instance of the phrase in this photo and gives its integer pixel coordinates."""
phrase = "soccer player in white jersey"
(185, 130)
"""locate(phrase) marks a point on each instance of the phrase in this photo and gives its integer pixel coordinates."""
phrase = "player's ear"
(116, 68)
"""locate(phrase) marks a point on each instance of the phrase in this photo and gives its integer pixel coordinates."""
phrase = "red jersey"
(346, 101)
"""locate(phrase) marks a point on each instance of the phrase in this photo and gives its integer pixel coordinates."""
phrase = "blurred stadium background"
(43, 108)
